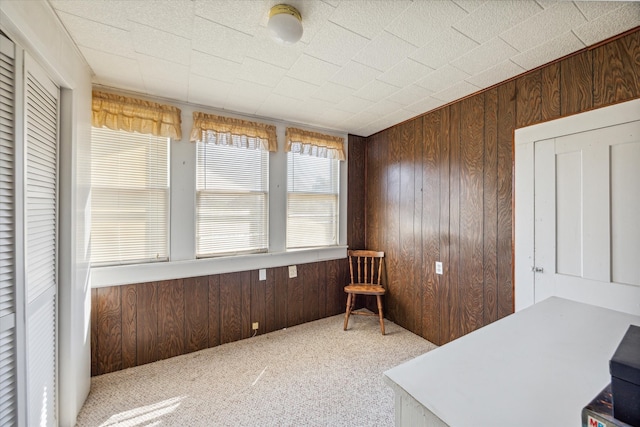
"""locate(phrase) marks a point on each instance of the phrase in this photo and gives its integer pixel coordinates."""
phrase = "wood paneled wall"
(136, 324)
(356, 192)
(439, 188)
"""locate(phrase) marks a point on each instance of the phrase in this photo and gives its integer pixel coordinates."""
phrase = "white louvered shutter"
(8, 377)
(41, 105)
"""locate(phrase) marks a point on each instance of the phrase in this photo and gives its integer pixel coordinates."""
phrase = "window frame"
(168, 190)
(182, 262)
(336, 164)
(238, 252)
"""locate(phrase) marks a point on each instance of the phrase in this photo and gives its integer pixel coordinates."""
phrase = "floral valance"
(135, 115)
(315, 144)
(230, 131)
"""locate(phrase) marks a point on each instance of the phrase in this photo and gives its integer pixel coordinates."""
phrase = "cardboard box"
(625, 378)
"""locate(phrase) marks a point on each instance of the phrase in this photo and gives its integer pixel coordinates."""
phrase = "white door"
(8, 298)
(587, 217)
(41, 227)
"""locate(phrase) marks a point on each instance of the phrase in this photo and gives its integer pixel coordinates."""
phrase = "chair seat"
(364, 289)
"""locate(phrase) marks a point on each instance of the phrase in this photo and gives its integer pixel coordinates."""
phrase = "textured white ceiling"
(361, 66)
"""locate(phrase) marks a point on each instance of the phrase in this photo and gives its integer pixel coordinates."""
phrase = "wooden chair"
(366, 271)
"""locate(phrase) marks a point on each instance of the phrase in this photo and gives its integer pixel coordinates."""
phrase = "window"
(312, 200)
(232, 195)
(129, 197)
(313, 189)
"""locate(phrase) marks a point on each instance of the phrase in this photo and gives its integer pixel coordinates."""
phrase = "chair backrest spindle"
(368, 266)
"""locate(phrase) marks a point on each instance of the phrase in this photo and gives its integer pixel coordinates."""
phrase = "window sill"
(152, 272)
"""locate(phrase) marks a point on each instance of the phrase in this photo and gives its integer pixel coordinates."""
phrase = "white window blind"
(8, 383)
(129, 197)
(232, 196)
(312, 200)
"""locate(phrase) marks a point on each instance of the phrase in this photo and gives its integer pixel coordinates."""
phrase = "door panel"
(625, 210)
(8, 341)
(41, 207)
(587, 205)
(568, 213)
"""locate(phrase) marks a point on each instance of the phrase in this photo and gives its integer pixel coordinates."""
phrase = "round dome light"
(285, 24)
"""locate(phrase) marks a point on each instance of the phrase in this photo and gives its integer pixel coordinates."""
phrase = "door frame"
(524, 167)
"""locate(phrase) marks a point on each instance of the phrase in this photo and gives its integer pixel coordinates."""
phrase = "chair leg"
(348, 311)
(379, 298)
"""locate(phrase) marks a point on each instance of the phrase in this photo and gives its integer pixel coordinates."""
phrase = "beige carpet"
(313, 374)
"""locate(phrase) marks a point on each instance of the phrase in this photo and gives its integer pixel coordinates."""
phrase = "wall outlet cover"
(262, 274)
(438, 267)
(293, 271)
(254, 326)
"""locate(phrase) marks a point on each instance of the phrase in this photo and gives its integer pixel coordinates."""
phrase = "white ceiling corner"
(361, 65)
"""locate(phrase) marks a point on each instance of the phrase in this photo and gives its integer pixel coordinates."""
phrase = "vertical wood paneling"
(245, 279)
(94, 332)
(373, 200)
(140, 323)
(214, 310)
(356, 192)
(342, 279)
(410, 256)
(431, 225)
(550, 76)
(471, 273)
(270, 301)
(336, 298)
(109, 330)
(416, 266)
(129, 321)
(170, 318)
(295, 301)
(490, 217)
(576, 84)
(454, 223)
(529, 99)
(147, 322)
(281, 296)
(196, 313)
(321, 278)
(258, 297)
(506, 125)
(445, 235)
(230, 308)
(616, 71)
(311, 294)
(398, 295)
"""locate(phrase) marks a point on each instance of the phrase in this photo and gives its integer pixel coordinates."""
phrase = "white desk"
(539, 366)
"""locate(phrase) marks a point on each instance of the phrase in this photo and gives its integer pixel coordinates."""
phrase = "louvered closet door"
(8, 377)
(41, 106)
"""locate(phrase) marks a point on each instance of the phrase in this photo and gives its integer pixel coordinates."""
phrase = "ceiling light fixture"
(285, 24)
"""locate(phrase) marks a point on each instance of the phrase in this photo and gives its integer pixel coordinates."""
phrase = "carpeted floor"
(313, 374)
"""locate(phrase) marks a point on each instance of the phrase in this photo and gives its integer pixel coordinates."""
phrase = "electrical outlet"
(293, 271)
(254, 326)
(438, 267)
(262, 274)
